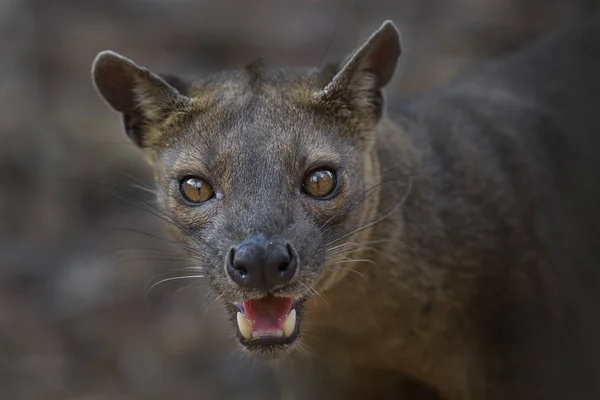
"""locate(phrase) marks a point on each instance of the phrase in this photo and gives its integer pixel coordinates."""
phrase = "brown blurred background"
(78, 252)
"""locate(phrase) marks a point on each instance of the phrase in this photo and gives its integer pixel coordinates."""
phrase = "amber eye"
(320, 183)
(196, 190)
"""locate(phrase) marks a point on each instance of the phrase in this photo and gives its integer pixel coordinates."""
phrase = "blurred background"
(79, 250)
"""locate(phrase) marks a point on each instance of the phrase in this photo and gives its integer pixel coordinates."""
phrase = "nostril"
(283, 266)
(287, 259)
(235, 268)
(237, 265)
(243, 271)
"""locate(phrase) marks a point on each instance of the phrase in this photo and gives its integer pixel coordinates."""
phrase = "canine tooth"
(290, 323)
(245, 326)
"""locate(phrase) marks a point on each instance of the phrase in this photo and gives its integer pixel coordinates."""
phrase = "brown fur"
(456, 293)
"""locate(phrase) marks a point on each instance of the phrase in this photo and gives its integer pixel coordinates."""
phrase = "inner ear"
(114, 78)
(143, 98)
(382, 53)
(176, 82)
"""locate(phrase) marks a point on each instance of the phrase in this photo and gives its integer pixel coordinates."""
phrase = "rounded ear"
(367, 71)
(144, 99)
(114, 77)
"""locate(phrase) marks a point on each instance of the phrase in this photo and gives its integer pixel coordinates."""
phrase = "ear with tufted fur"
(143, 98)
(359, 82)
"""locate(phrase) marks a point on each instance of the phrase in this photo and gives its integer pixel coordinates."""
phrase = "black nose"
(261, 263)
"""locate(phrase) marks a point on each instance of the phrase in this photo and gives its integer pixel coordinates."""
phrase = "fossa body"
(445, 246)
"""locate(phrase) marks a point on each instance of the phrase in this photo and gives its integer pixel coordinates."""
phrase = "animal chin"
(268, 324)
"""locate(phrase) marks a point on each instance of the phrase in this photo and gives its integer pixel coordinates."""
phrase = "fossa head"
(262, 172)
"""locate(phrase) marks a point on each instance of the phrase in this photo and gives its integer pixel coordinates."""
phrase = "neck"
(377, 245)
(391, 280)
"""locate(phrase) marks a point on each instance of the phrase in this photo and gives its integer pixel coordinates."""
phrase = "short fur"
(470, 211)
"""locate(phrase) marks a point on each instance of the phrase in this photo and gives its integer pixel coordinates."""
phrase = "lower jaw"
(271, 351)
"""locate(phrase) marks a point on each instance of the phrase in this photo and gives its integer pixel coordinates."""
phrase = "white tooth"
(290, 323)
(245, 326)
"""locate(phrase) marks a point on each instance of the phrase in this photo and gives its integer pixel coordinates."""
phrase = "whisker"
(355, 260)
(376, 220)
(120, 249)
(304, 349)
(160, 282)
(133, 178)
(178, 260)
(153, 210)
(328, 268)
(351, 251)
(340, 252)
(236, 352)
(349, 207)
(350, 247)
(315, 292)
(207, 309)
(292, 366)
(360, 243)
(183, 246)
(177, 272)
(358, 200)
(330, 42)
(145, 189)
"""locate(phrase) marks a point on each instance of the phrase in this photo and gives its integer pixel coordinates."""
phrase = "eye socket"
(196, 190)
(320, 183)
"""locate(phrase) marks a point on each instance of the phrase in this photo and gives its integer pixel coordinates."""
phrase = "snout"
(262, 263)
(266, 265)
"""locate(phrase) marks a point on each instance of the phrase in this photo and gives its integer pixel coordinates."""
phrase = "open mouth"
(268, 321)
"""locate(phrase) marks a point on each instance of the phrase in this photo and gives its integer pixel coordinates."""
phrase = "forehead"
(258, 114)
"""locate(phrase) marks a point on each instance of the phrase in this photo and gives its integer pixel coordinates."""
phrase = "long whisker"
(213, 302)
(153, 211)
(177, 271)
(359, 199)
(359, 229)
(315, 291)
(144, 188)
(330, 42)
(359, 243)
(375, 221)
(183, 246)
(133, 178)
(349, 250)
(160, 282)
(175, 260)
(120, 249)
(355, 260)
(329, 268)
(352, 250)
(350, 206)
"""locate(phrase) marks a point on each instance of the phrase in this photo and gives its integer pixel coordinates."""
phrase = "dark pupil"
(194, 189)
(321, 182)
